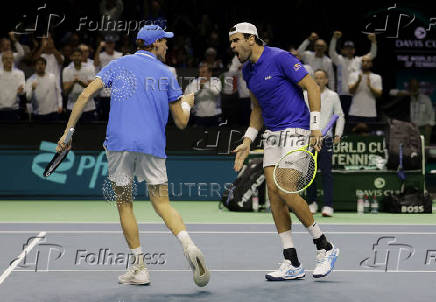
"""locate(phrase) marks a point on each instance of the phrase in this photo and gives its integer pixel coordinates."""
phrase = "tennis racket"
(59, 156)
(400, 171)
(296, 170)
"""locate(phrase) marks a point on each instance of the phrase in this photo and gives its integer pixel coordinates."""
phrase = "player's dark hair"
(322, 70)
(40, 59)
(140, 45)
(258, 41)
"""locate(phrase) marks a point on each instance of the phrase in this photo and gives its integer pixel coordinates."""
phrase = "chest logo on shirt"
(297, 66)
(268, 78)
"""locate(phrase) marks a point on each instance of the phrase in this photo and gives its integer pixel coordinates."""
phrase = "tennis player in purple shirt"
(276, 80)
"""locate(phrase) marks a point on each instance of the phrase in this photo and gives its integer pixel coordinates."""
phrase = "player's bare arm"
(314, 98)
(180, 110)
(77, 111)
(256, 123)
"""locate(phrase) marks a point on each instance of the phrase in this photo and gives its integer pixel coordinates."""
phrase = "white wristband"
(315, 120)
(251, 133)
(186, 107)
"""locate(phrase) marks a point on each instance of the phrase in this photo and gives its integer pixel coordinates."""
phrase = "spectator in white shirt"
(347, 63)
(53, 57)
(365, 87)
(242, 109)
(330, 105)
(5, 45)
(317, 58)
(101, 59)
(44, 92)
(75, 79)
(207, 89)
(421, 108)
(86, 61)
(12, 82)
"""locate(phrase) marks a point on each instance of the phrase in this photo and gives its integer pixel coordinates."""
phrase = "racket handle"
(330, 124)
(69, 135)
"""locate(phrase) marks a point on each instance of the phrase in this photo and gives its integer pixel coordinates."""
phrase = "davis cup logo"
(379, 182)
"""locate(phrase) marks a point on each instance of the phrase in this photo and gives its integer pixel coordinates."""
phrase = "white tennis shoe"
(286, 271)
(313, 207)
(327, 211)
(198, 265)
(136, 274)
(325, 262)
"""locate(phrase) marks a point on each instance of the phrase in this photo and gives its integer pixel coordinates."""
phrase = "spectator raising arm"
(302, 48)
(373, 50)
(336, 58)
(20, 50)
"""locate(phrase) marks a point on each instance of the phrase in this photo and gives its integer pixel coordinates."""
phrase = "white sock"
(286, 238)
(315, 231)
(137, 253)
(185, 239)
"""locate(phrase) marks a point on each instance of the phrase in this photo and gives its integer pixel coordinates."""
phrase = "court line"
(222, 232)
(221, 270)
(21, 256)
(217, 223)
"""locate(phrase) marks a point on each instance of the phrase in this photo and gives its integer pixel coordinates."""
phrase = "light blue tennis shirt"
(273, 79)
(142, 88)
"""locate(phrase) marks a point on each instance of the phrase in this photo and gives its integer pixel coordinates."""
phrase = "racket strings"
(295, 171)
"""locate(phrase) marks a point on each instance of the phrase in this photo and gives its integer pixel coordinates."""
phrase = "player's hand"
(337, 140)
(242, 152)
(316, 139)
(61, 145)
(189, 98)
(337, 34)
(60, 110)
(102, 44)
(313, 36)
(34, 85)
(372, 37)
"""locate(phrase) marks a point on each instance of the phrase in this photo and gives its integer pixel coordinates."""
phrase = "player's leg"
(120, 170)
(291, 267)
(154, 171)
(326, 252)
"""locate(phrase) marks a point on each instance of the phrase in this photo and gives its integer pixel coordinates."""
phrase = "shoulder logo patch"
(297, 66)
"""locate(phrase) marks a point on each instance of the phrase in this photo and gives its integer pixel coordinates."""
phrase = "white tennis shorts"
(123, 166)
(278, 143)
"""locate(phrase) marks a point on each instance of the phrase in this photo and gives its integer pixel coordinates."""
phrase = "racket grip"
(69, 135)
(330, 124)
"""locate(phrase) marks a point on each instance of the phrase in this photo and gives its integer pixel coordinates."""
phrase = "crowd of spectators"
(41, 78)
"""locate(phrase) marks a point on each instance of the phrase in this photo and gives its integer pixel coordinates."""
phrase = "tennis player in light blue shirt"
(276, 80)
(143, 91)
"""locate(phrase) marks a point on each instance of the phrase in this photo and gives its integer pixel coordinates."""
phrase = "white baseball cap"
(244, 28)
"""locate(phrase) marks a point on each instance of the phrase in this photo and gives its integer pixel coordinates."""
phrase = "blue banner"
(82, 175)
